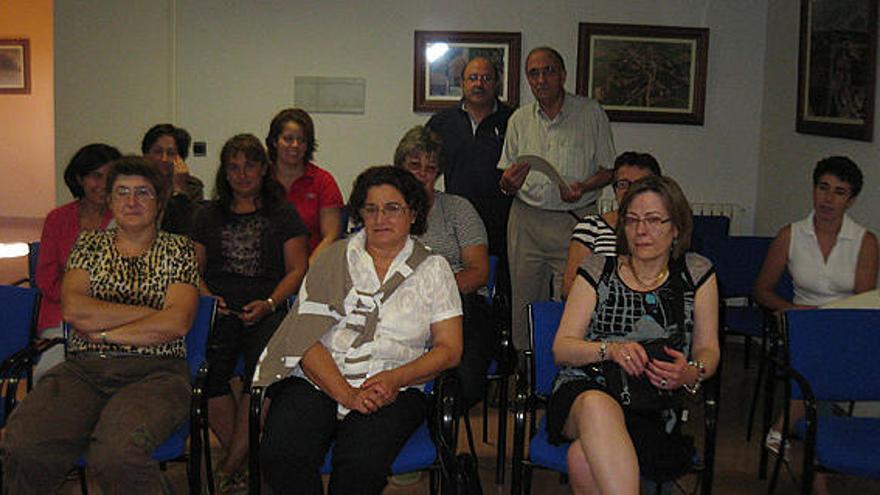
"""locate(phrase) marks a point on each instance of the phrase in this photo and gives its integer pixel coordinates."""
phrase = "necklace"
(657, 278)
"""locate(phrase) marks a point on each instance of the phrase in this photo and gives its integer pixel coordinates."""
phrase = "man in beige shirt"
(572, 133)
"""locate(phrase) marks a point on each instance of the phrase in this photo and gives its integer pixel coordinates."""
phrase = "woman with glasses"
(251, 247)
(455, 232)
(311, 189)
(647, 318)
(130, 294)
(86, 178)
(595, 233)
(378, 316)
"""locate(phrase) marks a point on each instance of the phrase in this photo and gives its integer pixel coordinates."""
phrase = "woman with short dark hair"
(377, 317)
(86, 179)
(130, 295)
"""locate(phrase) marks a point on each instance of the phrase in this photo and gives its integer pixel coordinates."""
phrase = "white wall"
(236, 62)
(788, 158)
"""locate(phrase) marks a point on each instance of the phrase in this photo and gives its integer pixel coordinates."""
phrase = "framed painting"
(15, 70)
(639, 73)
(837, 67)
(440, 57)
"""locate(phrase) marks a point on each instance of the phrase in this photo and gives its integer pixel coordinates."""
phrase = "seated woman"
(455, 232)
(595, 233)
(616, 308)
(130, 295)
(251, 247)
(311, 189)
(168, 147)
(378, 316)
(85, 177)
(828, 255)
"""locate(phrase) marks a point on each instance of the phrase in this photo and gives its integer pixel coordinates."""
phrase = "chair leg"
(209, 465)
(769, 392)
(470, 435)
(501, 453)
(527, 479)
(753, 408)
(486, 413)
(83, 483)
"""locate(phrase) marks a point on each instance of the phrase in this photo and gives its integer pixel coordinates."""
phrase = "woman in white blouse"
(828, 255)
(396, 324)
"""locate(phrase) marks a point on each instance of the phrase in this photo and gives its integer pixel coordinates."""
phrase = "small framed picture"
(440, 57)
(654, 74)
(15, 70)
(837, 68)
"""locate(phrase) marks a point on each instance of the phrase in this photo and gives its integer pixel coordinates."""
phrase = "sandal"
(232, 483)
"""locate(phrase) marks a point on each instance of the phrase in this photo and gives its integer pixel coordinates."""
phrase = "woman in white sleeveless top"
(828, 255)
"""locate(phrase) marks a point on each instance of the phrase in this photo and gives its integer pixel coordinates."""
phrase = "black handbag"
(637, 392)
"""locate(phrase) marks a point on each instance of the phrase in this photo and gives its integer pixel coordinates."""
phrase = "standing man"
(572, 133)
(473, 134)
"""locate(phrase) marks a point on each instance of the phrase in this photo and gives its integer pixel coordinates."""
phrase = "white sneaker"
(773, 442)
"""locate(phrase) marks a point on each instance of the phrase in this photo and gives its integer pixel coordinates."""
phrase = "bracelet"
(701, 371)
(603, 349)
(271, 303)
(103, 335)
(504, 191)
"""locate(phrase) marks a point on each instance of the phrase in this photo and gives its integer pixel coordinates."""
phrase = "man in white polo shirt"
(572, 133)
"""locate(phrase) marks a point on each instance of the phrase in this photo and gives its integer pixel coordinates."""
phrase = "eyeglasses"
(486, 78)
(390, 210)
(550, 70)
(622, 184)
(651, 223)
(141, 194)
(428, 168)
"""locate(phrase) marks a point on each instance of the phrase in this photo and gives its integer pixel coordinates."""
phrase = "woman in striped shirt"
(596, 233)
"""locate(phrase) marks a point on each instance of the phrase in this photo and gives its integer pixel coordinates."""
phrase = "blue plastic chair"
(423, 450)
(19, 310)
(174, 447)
(534, 390)
(832, 357)
(708, 229)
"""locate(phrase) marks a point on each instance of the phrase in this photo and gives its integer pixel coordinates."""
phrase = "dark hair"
(401, 179)
(844, 169)
(643, 161)
(179, 134)
(297, 116)
(494, 66)
(90, 157)
(676, 204)
(271, 192)
(553, 53)
(142, 167)
(419, 139)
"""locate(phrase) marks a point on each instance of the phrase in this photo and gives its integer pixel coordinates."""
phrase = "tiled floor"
(735, 469)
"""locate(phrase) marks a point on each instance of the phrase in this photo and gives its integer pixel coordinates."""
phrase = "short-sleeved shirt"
(245, 252)
(453, 224)
(313, 191)
(577, 142)
(625, 314)
(403, 332)
(135, 280)
(596, 234)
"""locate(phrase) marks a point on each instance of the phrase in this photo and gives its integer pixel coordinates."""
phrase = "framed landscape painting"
(440, 57)
(642, 73)
(837, 67)
(15, 71)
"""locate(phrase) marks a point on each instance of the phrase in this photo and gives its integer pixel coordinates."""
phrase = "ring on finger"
(663, 383)
(627, 357)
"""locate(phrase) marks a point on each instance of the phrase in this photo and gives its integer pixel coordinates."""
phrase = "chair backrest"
(836, 351)
(708, 228)
(33, 257)
(18, 313)
(738, 261)
(544, 317)
(197, 337)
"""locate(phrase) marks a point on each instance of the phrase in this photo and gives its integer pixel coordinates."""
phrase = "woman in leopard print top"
(130, 295)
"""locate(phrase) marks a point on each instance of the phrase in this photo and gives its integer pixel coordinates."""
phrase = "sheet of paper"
(865, 300)
(541, 165)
